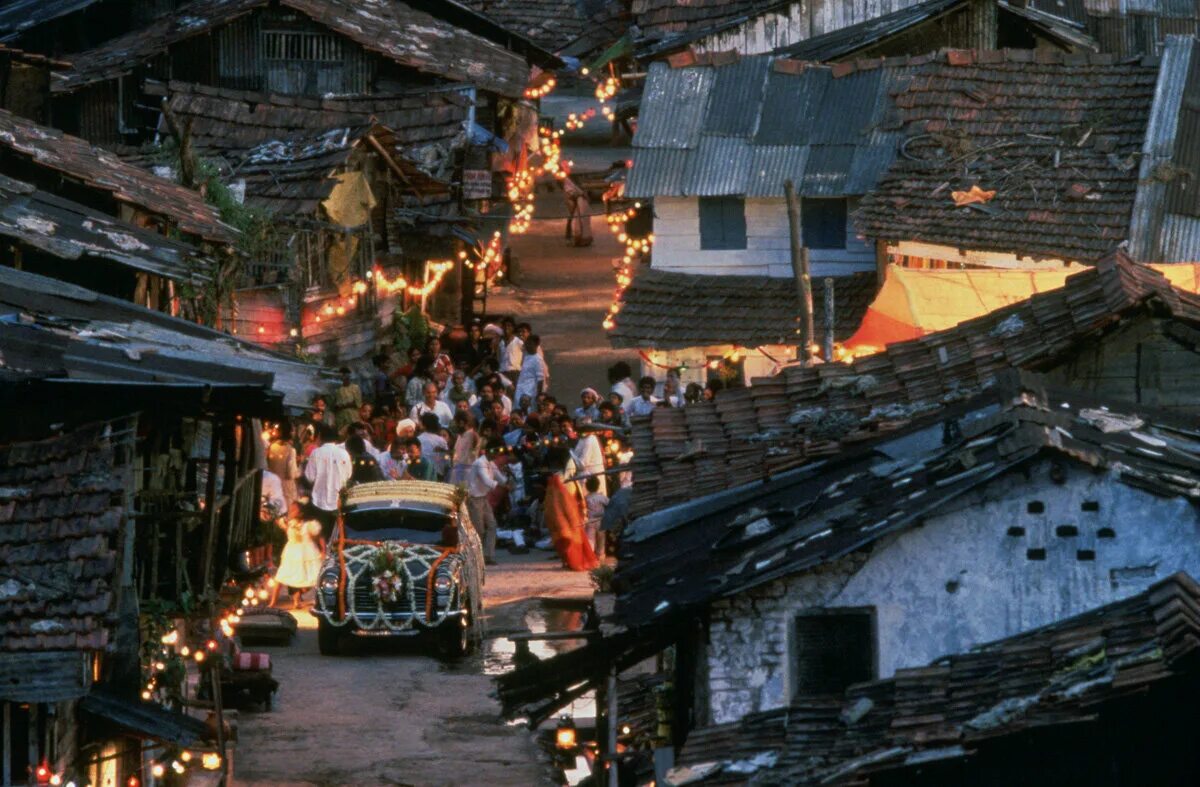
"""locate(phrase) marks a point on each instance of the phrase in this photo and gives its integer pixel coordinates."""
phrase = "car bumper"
(371, 626)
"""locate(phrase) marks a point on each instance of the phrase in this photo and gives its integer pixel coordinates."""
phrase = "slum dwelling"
(929, 539)
(69, 202)
(1089, 155)
(141, 484)
(352, 206)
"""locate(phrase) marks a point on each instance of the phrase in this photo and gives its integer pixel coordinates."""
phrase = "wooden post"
(210, 500)
(611, 695)
(828, 319)
(6, 772)
(800, 271)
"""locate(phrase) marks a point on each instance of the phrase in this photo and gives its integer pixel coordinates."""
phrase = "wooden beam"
(800, 271)
(210, 499)
(392, 165)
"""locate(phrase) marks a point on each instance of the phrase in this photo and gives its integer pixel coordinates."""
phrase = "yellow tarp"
(913, 302)
(349, 204)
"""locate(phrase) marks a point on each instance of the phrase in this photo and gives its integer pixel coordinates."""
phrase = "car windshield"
(392, 524)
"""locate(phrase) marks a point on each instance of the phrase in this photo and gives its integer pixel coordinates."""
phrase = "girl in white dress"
(300, 563)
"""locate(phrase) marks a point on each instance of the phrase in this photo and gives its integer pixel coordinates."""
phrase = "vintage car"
(404, 561)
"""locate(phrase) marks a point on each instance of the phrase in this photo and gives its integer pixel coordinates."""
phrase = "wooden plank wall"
(677, 243)
(1140, 364)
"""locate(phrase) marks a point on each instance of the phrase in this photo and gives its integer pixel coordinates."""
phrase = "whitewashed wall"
(796, 22)
(677, 243)
(960, 580)
(758, 363)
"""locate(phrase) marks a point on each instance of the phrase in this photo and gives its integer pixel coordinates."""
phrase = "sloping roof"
(745, 125)
(58, 520)
(551, 23)
(149, 720)
(393, 29)
(292, 177)
(17, 16)
(57, 332)
(666, 310)
(1166, 211)
(869, 33)
(1056, 138)
(48, 148)
(1061, 674)
(71, 231)
(659, 19)
(603, 28)
(803, 414)
(237, 120)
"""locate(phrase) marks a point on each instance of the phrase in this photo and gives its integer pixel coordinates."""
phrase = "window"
(722, 223)
(833, 649)
(823, 223)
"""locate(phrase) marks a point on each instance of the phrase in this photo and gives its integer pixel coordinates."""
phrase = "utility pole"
(829, 305)
(800, 271)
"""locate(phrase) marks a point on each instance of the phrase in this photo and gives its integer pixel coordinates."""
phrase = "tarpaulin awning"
(913, 302)
(622, 47)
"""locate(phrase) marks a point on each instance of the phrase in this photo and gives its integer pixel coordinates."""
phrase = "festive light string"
(635, 249)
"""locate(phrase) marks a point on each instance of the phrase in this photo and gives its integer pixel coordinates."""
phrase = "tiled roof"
(58, 524)
(47, 148)
(71, 231)
(801, 414)
(604, 27)
(1057, 138)
(682, 558)
(1062, 674)
(551, 23)
(666, 310)
(662, 18)
(237, 120)
(393, 29)
(17, 16)
(729, 125)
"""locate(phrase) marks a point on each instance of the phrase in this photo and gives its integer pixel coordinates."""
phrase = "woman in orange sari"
(564, 518)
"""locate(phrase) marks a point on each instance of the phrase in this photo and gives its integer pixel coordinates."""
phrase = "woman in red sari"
(564, 518)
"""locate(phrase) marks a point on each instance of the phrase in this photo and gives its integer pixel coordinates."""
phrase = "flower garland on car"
(395, 558)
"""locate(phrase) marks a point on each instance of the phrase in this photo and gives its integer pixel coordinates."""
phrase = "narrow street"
(397, 714)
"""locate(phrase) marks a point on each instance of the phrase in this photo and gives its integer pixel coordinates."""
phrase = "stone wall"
(1022, 553)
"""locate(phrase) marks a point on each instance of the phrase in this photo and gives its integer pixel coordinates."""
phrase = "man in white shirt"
(482, 477)
(433, 446)
(395, 460)
(512, 349)
(645, 402)
(432, 404)
(328, 469)
(535, 375)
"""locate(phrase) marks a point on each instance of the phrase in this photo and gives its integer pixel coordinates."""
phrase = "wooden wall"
(1141, 363)
(677, 243)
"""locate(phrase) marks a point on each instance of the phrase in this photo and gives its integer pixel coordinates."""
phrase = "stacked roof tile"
(58, 525)
(1039, 681)
(395, 30)
(663, 18)
(667, 310)
(803, 414)
(1055, 137)
(551, 23)
(41, 147)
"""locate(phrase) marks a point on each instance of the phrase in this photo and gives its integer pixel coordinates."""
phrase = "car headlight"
(442, 583)
(329, 583)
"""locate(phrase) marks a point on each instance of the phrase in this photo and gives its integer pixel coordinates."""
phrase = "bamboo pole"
(801, 273)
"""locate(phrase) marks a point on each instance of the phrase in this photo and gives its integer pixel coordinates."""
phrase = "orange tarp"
(913, 302)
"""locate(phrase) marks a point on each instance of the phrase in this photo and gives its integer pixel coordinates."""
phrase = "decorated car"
(404, 561)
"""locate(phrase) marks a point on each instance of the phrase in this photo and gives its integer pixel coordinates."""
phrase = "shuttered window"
(722, 223)
(833, 649)
(823, 222)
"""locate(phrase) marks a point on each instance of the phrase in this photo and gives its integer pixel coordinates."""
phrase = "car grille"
(364, 597)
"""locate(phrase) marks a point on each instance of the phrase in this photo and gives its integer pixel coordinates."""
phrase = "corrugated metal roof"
(657, 173)
(764, 123)
(737, 97)
(1148, 240)
(719, 166)
(771, 165)
(673, 107)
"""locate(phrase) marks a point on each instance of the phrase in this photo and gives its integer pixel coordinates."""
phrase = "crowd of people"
(474, 410)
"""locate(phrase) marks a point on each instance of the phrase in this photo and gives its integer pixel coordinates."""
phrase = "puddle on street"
(500, 654)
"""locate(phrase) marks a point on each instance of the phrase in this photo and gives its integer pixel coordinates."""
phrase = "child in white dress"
(300, 563)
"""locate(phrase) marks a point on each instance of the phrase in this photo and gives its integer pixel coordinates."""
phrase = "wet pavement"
(394, 713)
